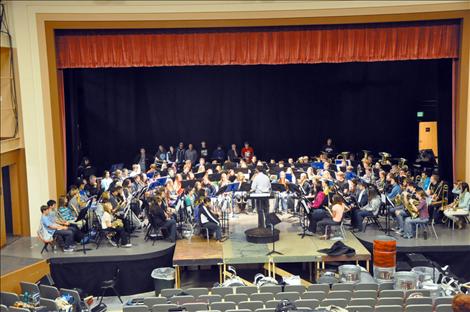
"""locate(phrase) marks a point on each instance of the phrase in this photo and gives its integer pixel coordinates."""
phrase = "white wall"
(32, 66)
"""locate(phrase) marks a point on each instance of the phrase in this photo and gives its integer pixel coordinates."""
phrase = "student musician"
(171, 156)
(317, 207)
(368, 210)
(460, 208)
(204, 151)
(209, 219)
(247, 152)
(423, 215)
(329, 148)
(114, 227)
(335, 213)
(51, 229)
(142, 160)
(162, 218)
(232, 154)
(281, 202)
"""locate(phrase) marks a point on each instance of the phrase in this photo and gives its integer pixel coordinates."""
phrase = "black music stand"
(273, 220)
(81, 216)
(388, 203)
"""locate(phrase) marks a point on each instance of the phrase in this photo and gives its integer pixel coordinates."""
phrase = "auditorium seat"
(221, 291)
(170, 292)
(272, 289)
(442, 300)
(8, 298)
(318, 295)
(418, 308)
(319, 287)
(195, 306)
(363, 301)
(262, 296)
(163, 307)
(364, 294)
(444, 308)
(151, 301)
(30, 288)
(418, 292)
(386, 286)
(344, 286)
(48, 292)
(307, 303)
(360, 308)
(223, 306)
(182, 299)
(388, 308)
(340, 302)
(13, 309)
(196, 292)
(367, 286)
(246, 290)
(3, 308)
(271, 304)
(390, 301)
(49, 304)
(136, 308)
(210, 298)
(345, 294)
(266, 310)
(240, 310)
(251, 305)
(291, 296)
(295, 288)
(237, 298)
(419, 300)
(393, 293)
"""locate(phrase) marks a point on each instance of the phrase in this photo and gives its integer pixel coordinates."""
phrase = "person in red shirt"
(247, 152)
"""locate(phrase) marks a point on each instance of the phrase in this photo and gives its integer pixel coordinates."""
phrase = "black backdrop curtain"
(283, 110)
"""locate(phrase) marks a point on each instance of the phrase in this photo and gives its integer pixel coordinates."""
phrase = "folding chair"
(49, 304)
(8, 298)
(48, 292)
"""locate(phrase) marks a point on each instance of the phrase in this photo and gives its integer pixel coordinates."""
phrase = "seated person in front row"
(423, 215)
(114, 227)
(335, 214)
(52, 229)
(209, 219)
(369, 210)
(56, 218)
(460, 208)
(162, 218)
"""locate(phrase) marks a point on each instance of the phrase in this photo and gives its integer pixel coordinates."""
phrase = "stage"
(85, 271)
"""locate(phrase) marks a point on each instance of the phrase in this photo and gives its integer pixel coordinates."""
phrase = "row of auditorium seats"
(47, 294)
(359, 297)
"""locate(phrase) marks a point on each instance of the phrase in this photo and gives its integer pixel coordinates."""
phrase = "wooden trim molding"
(19, 190)
(51, 22)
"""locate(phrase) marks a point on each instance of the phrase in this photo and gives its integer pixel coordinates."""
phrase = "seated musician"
(341, 181)
(305, 184)
(381, 181)
(106, 181)
(423, 215)
(370, 209)
(247, 152)
(400, 211)
(282, 199)
(209, 219)
(395, 188)
(91, 187)
(116, 198)
(317, 210)
(232, 154)
(67, 215)
(435, 201)
(335, 215)
(171, 155)
(425, 181)
(460, 208)
(55, 218)
(161, 218)
(114, 227)
(75, 200)
(52, 229)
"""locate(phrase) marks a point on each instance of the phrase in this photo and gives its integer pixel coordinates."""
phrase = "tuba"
(410, 205)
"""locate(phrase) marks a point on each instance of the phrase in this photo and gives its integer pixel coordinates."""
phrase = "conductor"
(261, 185)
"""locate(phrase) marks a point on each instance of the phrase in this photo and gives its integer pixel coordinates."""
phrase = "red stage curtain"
(314, 44)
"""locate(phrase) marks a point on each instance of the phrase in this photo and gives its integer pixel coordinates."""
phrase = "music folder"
(278, 187)
(188, 183)
(232, 187)
(158, 182)
(245, 187)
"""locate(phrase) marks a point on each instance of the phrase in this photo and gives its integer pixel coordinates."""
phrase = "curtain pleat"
(321, 44)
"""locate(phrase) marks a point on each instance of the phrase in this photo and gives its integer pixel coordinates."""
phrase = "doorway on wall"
(428, 136)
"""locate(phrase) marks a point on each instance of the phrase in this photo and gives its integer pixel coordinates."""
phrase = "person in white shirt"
(209, 220)
(106, 181)
(261, 185)
(115, 228)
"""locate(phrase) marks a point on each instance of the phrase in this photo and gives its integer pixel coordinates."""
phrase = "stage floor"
(448, 240)
(236, 250)
(28, 249)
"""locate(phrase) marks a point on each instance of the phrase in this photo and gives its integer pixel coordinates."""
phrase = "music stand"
(388, 203)
(273, 220)
(81, 216)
